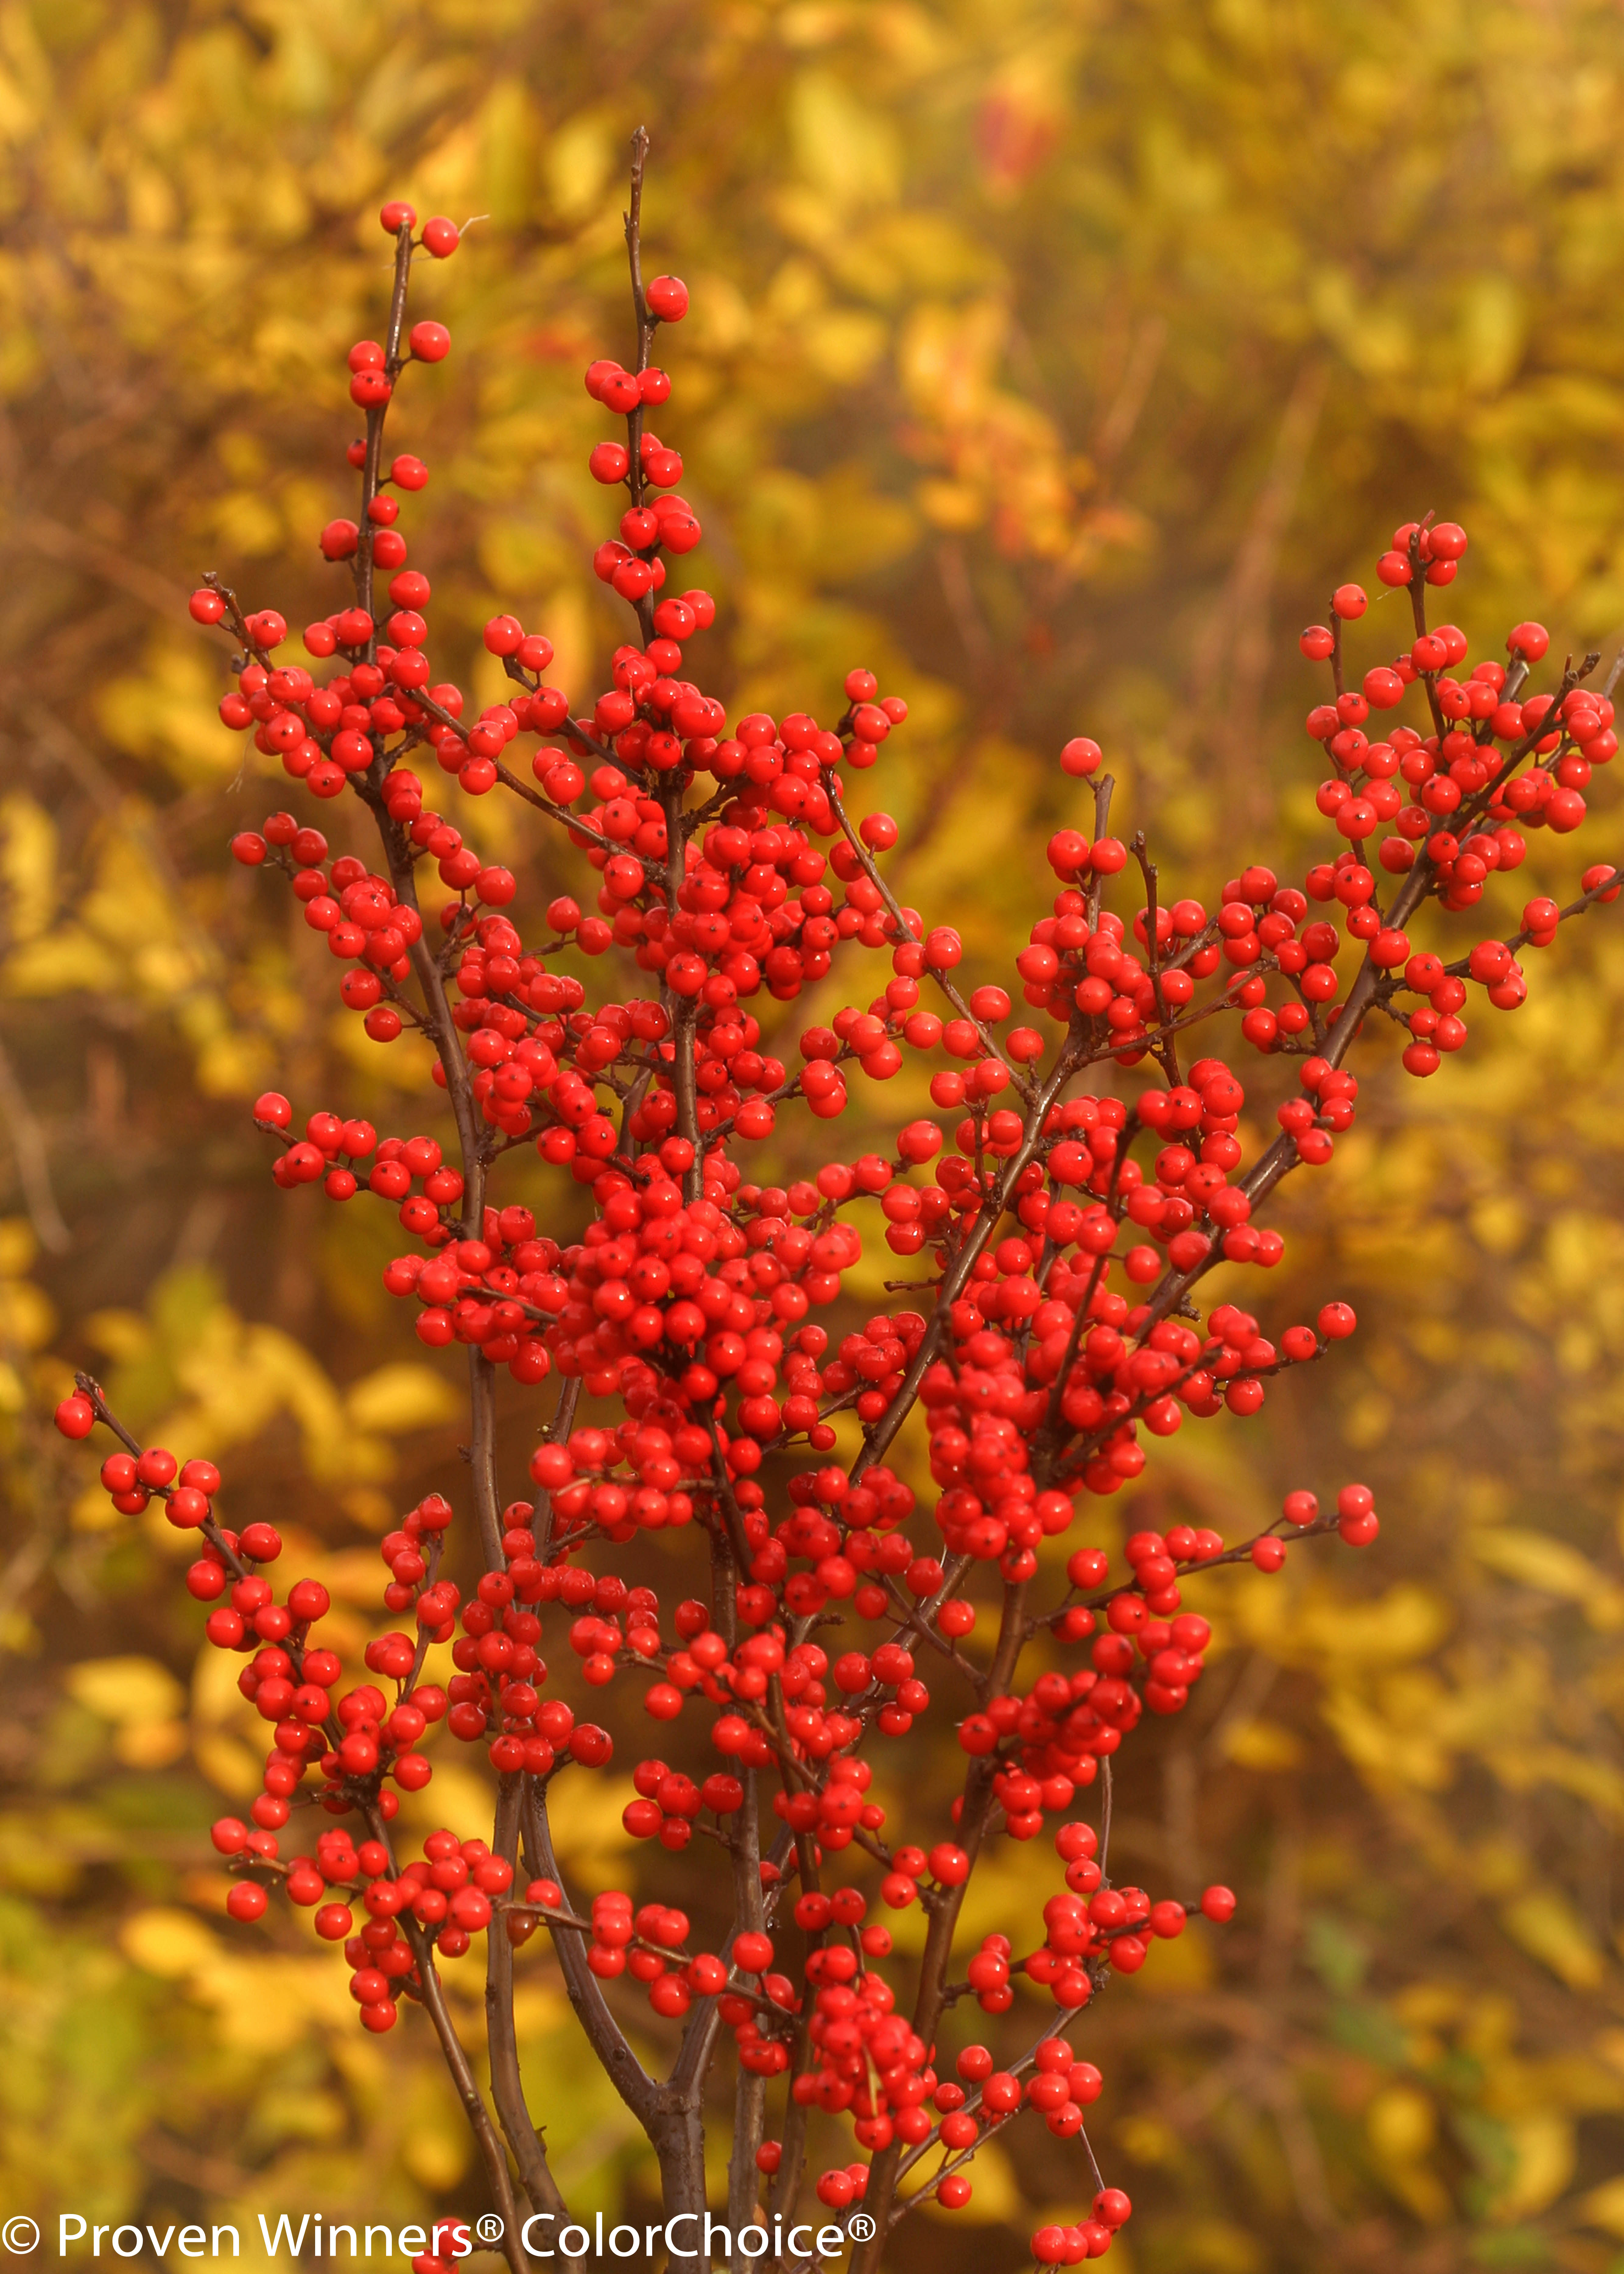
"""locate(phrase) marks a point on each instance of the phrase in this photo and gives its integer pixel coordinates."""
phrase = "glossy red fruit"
(667, 298)
(76, 1416)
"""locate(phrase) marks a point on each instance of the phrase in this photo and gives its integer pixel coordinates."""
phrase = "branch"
(507, 2085)
(434, 1997)
(582, 829)
(619, 2064)
(375, 417)
(976, 1807)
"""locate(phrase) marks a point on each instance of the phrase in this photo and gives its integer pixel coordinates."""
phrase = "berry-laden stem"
(432, 1992)
(750, 2090)
(681, 1010)
(646, 328)
(878, 1438)
(372, 465)
(1059, 1226)
(933, 1969)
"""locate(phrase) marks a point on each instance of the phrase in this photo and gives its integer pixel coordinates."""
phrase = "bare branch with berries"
(1060, 1226)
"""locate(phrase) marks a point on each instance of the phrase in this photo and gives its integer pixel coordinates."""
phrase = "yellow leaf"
(1604, 2206)
(1178, 1968)
(26, 1319)
(1322, 1627)
(227, 1764)
(437, 2139)
(849, 151)
(350, 1576)
(124, 1335)
(366, 1505)
(151, 1745)
(171, 1944)
(1536, 1560)
(167, 710)
(1492, 324)
(578, 163)
(1263, 1745)
(463, 1802)
(586, 1828)
(1582, 1773)
(951, 505)
(1206, 2245)
(94, 1511)
(1406, 1622)
(1544, 2144)
(843, 342)
(1148, 2139)
(1548, 1928)
(28, 867)
(16, 117)
(400, 1398)
(1384, 1746)
(133, 1693)
(1400, 2123)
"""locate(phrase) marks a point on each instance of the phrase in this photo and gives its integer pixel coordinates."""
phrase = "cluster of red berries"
(451, 1890)
(1057, 1328)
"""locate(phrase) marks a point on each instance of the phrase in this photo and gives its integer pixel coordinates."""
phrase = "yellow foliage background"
(1055, 358)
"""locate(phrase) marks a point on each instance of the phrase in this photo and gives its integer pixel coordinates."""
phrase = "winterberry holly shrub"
(1070, 1222)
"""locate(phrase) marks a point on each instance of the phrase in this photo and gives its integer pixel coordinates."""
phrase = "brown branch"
(619, 2064)
(372, 465)
(434, 1997)
(507, 2085)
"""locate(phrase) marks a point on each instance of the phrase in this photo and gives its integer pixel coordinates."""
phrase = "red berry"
(76, 1416)
(609, 462)
(667, 298)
